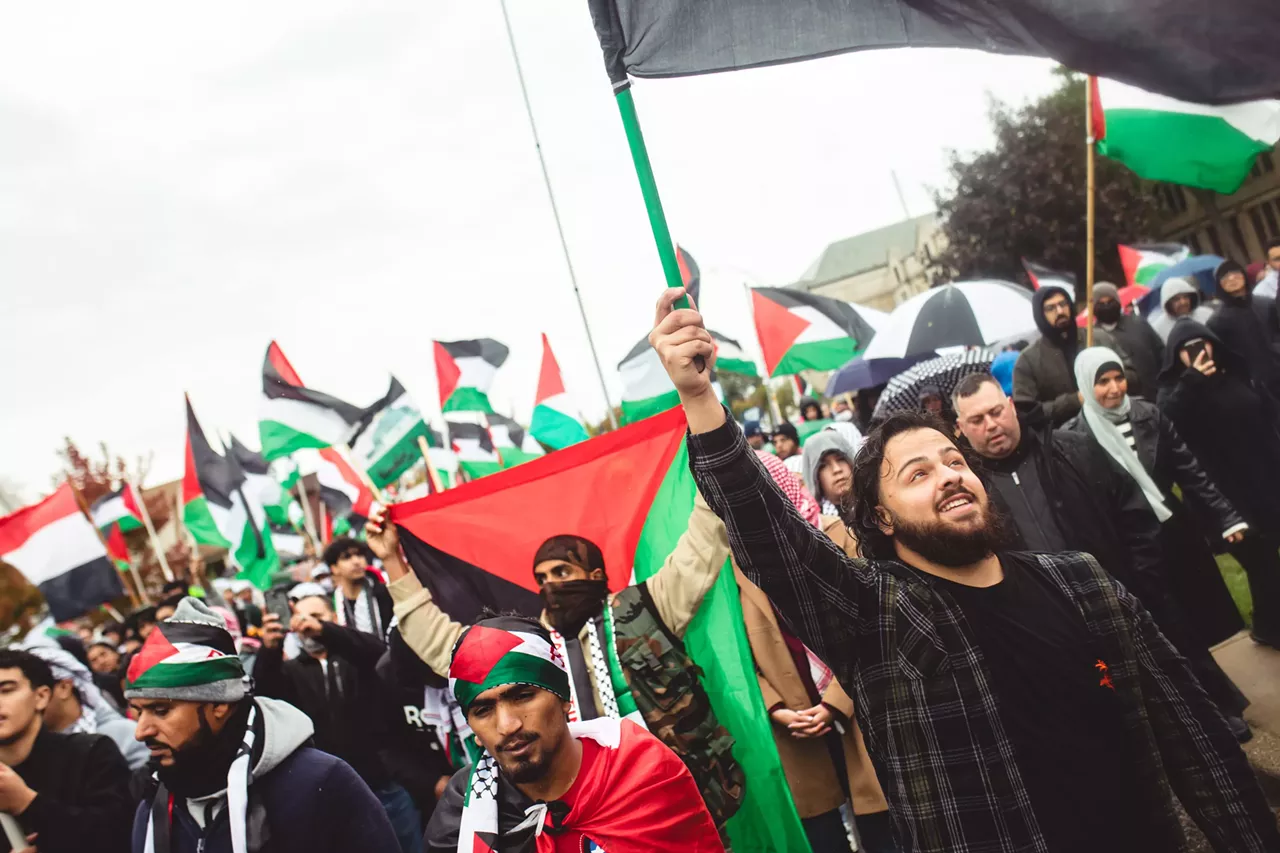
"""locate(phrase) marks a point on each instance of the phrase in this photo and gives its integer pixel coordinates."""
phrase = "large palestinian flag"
(217, 511)
(56, 549)
(631, 493)
(799, 330)
(555, 421)
(388, 445)
(465, 371)
(1143, 261)
(119, 508)
(1196, 145)
(294, 416)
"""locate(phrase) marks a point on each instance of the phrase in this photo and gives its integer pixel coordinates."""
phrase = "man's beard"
(524, 770)
(200, 767)
(951, 546)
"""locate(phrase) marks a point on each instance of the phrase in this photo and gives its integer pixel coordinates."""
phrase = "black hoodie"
(1247, 324)
(1227, 421)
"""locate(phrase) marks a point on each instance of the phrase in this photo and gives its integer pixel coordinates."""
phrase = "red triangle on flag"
(600, 489)
(549, 382)
(1130, 260)
(362, 504)
(275, 355)
(155, 649)
(447, 372)
(776, 327)
(481, 649)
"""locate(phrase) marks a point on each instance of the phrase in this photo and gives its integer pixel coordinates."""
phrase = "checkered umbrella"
(902, 394)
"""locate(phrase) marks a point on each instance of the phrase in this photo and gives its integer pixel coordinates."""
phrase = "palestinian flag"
(120, 508)
(631, 493)
(690, 275)
(1143, 261)
(1042, 276)
(512, 442)
(117, 550)
(731, 358)
(464, 372)
(799, 330)
(183, 654)
(293, 416)
(341, 489)
(1196, 145)
(554, 421)
(57, 550)
(388, 446)
(473, 448)
(646, 387)
(217, 511)
(260, 483)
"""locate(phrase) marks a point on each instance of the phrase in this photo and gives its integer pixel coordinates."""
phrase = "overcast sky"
(181, 183)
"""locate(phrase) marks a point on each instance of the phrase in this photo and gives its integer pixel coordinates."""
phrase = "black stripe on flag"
(249, 461)
(514, 431)
(463, 431)
(486, 348)
(218, 480)
(462, 590)
(842, 314)
(275, 387)
(73, 594)
(204, 635)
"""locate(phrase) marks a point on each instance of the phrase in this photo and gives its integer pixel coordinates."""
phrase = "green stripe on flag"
(476, 470)
(188, 674)
(467, 400)
(767, 822)
(399, 457)
(555, 429)
(742, 367)
(1181, 148)
(257, 565)
(638, 410)
(197, 519)
(281, 440)
(817, 355)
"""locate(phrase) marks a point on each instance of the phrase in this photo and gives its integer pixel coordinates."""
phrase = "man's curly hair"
(861, 513)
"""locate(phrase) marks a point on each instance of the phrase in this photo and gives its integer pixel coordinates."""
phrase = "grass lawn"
(1238, 583)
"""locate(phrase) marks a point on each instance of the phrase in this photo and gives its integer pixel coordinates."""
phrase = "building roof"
(867, 251)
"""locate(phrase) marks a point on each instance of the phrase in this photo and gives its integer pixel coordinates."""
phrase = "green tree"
(1025, 198)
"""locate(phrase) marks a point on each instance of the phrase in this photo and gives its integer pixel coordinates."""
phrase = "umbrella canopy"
(859, 373)
(1197, 268)
(967, 313)
(903, 391)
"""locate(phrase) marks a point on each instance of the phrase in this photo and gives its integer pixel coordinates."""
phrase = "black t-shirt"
(1058, 708)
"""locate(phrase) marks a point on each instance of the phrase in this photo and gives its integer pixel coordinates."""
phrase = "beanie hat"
(505, 650)
(190, 657)
(574, 550)
(1105, 288)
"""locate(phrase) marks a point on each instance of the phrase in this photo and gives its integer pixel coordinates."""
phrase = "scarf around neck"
(368, 618)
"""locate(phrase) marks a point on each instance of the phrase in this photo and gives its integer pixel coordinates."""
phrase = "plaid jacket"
(923, 697)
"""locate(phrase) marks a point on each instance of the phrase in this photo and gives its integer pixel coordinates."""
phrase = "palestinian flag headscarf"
(492, 653)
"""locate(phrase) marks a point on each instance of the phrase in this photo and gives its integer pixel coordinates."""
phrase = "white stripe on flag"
(110, 511)
(475, 372)
(644, 377)
(56, 549)
(324, 424)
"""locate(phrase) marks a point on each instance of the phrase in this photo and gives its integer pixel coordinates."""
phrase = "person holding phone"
(1228, 421)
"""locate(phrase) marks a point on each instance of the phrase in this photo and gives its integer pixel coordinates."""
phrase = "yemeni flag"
(646, 387)
(1196, 145)
(57, 550)
(342, 490)
(464, 372)
(294, 416)
(554, 421)
(631, 493)
(218, 512)
(1143, 261)
(512, 442)
(799, 330)
(388, 446)
(473, 448)
(119, 508)
(1042, 276)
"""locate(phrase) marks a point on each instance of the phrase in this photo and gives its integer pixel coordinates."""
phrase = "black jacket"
(417, 758)
(1145, 350)
(1247, 325)
(82, 794)
(381, 599)
(344, 699)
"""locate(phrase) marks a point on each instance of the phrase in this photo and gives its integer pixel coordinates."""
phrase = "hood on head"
(806, 402)
(1229, 267)
(285, 729)
(815, 448)
(1185, 330)
(1175, 286)
(1037, 308)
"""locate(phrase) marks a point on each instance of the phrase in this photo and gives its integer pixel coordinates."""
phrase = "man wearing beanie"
(545, 784)
(1134, 334)
(233, 773)
(1247, 324)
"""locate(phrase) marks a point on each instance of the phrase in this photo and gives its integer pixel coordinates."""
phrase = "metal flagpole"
(151, 530)
(1089, 215)
(555, 212)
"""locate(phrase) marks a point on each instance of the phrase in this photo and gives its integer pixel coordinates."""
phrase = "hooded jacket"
(818, 445)
(1162, 321)
(1247, 324)
(1044, 375)
(301, 800)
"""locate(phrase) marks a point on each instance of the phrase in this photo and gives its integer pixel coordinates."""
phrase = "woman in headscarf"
(1143, 442)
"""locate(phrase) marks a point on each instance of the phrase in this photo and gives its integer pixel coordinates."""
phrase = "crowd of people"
(981, 625)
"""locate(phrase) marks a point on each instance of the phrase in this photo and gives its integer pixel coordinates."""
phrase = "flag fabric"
(554, 422)
(631, 493)
(388, 446)
(473, 448)
(218, 512)
(117, 508)
(1196, 145)
(646, 387)
(1042, 276)
(293, 416)
(731, 358)
(512, 442)
(57, 550)
(341, 489)
(117, 549)
(1142, 262)
(1182, 51)
(690, 275)
(464, 372)
(799, 330)
(260, 483)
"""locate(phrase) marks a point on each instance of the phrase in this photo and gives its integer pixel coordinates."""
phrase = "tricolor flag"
(1042, 276)
(1196, 145)
(260, 484)
(799, 330)
(388, 446)
(58, 551)
(555, 422)
(217, 511)
(646, 387)
(294, 416)
(465, 371)
(513, 442)
(117, 508)
(342, 490)
(473, 448)
(631, 493)
(731, 358)
(117, 549)
(1143, 261)
(690, 275)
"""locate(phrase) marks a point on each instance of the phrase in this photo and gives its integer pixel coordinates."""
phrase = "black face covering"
(1107, 312)
(570, 604)
(200, 768)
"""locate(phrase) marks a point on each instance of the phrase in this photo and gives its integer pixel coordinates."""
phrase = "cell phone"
(1194, 349)
(277, 601)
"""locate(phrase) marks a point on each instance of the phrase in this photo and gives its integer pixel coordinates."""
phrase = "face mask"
(1108, 312)
(846, 415)
(326, 583)
(569, 604)
(310, 645)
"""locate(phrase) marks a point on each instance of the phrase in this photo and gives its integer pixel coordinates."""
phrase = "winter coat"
(343, 697)
(1146, 353)
(1162, 321)
(417, 757)
(302, 800)
(1228, 422)
(82, 794)
(818, 445)
(1246, 324)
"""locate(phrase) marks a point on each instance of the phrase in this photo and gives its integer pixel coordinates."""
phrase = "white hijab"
(1103, 424)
